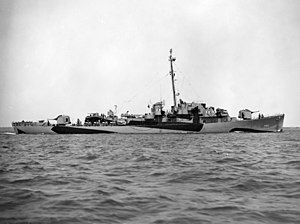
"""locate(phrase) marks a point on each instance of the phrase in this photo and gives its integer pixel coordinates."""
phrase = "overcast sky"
(75, 57)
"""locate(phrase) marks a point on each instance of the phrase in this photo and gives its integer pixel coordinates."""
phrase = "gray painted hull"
(267, 124)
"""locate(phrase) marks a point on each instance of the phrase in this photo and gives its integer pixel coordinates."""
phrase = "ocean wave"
(226, 178)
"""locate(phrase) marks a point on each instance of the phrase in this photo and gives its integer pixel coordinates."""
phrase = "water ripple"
(223, 178)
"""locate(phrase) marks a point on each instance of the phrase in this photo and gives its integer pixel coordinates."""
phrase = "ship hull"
(267, 124)
(33, 130)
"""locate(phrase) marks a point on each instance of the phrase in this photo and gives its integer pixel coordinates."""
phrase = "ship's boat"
(183, 117)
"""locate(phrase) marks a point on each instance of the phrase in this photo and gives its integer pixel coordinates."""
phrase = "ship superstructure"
(183, 117)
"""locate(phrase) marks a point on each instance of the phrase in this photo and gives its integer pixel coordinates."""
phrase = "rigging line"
(188, 81)
(150, 84)
(147, 86)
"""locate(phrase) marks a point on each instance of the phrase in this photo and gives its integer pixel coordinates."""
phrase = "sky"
(76, 57)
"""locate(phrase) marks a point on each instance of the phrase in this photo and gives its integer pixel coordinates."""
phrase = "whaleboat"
(183, 117)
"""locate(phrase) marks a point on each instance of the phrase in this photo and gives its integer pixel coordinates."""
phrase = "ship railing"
(31, 123)
(95, 124)
(22, 123)
(262, 116)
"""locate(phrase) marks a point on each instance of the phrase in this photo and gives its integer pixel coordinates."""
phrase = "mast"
(171, 59)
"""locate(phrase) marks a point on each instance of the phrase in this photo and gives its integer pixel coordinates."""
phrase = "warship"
(183, 117)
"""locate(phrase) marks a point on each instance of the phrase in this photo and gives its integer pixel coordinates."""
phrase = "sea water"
(170, 178)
